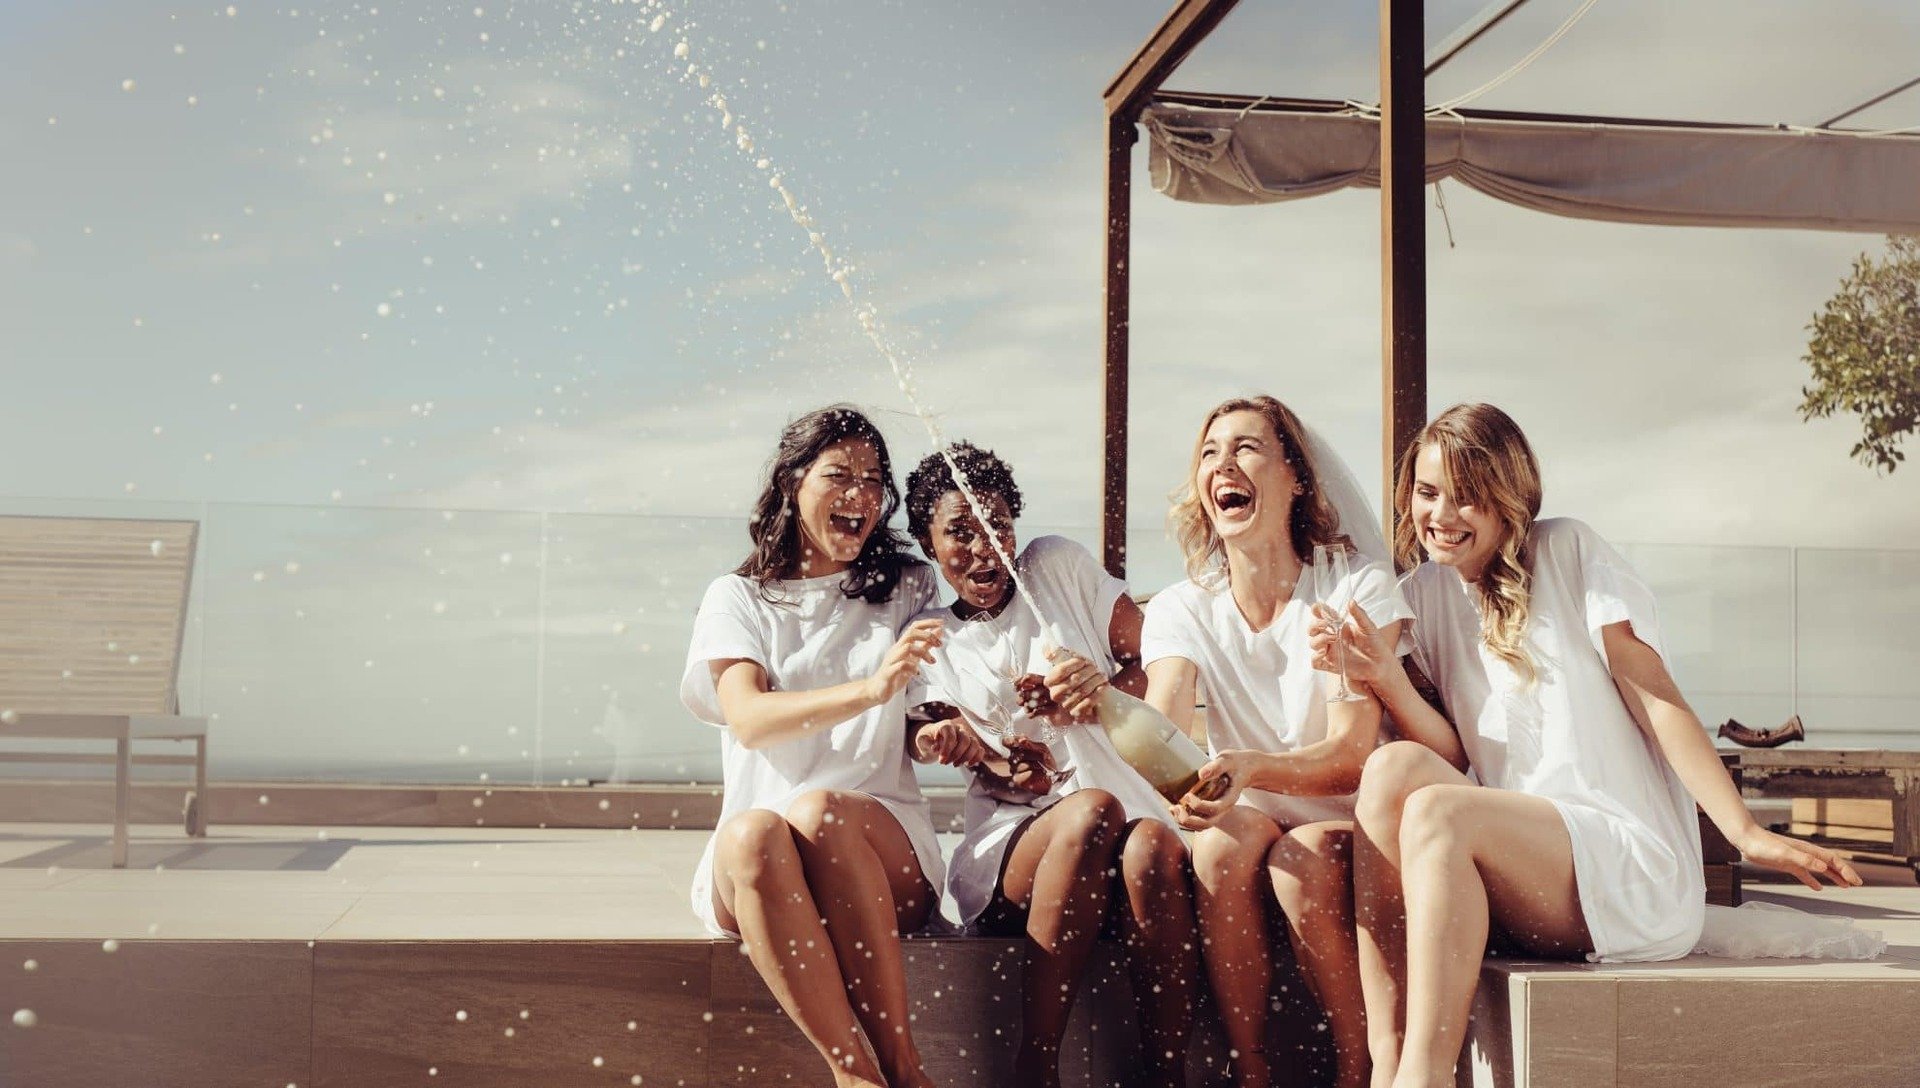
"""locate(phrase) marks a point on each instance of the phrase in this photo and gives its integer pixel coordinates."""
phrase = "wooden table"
(1853, 774)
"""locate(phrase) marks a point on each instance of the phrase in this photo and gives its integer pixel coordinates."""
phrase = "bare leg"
(1163, 957)
(1392, 773)
(1466, 852)
(760, 890)
(867, 881)
(1056, 874)
(1312, 879)
(1231, 897)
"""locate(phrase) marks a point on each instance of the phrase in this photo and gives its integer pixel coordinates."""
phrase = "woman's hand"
(1197, 813)
(903, 661)
(1030, 766)
(1068, 693)
(1368, 653)
(1801, 860)
(951, 742)
(1028, 771)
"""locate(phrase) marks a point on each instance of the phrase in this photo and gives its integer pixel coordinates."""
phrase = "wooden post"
(1113, 463)
(1403, 238)
(1186, 26)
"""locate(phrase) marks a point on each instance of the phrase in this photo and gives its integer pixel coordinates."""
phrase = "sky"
(351, 268)
(502, 256)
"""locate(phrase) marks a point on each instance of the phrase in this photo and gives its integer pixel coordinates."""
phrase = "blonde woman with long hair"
(1579, 837)
(1261, 493)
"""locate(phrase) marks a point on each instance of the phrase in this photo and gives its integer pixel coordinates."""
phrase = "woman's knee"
(1089, 819)
(1392, 773)
(1225, 854)
(1154, 855)
(750, 843)
(1433, 818)
(1312, 868)
(819, 813)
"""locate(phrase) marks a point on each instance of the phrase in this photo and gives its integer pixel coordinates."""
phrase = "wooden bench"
(92, 614)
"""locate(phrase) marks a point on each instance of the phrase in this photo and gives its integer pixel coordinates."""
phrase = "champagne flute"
(996, 656)
(1003, 665)
(1331, 589)
(1017, 671)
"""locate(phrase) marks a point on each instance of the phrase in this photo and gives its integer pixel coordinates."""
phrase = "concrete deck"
(274, 956)
(365, 884)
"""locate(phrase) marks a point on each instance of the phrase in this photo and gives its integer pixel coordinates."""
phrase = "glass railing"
(392, 645)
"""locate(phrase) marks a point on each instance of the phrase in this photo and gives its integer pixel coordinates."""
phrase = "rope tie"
(1440, 201)
(1520, 66)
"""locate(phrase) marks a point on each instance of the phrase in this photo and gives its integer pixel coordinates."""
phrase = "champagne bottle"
(1147, 740)
(1154, 747)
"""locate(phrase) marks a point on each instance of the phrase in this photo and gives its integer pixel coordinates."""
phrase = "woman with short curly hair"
(1062, 837)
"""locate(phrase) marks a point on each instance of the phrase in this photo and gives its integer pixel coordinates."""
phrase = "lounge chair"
(92, 612)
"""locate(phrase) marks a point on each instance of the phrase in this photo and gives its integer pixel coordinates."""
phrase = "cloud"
(662, 458)
(531, 142)
(458, 139)
(759, 285)
(17, 253)
(1657, 370)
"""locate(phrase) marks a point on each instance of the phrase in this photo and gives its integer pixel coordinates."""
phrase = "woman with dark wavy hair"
(1577, 836)
(825, 851)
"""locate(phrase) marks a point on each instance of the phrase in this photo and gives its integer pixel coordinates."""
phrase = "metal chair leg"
(197, 805)
(122, 797)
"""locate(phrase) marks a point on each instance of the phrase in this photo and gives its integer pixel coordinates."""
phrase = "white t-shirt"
(1569, 737)
(1262, 690)
(969, 672)
(816, 637)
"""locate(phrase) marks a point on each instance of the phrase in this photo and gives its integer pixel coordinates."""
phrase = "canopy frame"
(1402, 232)
(1402, 209)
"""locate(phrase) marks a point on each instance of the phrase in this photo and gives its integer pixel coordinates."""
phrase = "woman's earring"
(1299, 490)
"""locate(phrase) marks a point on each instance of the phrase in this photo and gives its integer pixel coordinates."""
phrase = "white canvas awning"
(1626, 173)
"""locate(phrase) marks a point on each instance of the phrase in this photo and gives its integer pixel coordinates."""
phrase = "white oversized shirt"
(1262, 690)
(1568, 736)
(812, 636)
(1078, 597)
